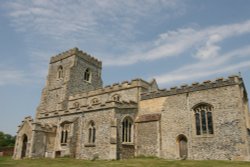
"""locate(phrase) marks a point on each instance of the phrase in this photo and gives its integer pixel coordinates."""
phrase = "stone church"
(80, 118)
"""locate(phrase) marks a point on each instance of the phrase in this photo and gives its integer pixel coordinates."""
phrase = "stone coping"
(208, 84)
(138, 82)
(148, 118)
(76, 51)
(88, 108)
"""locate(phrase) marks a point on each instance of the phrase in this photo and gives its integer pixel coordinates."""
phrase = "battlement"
(90, 108)
(112, 88)
(77, 52)
(208, 84)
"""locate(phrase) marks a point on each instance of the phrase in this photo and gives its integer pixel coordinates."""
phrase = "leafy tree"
(1, 139)
(6, 140)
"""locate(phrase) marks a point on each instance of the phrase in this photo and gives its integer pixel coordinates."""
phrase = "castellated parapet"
(82, 102)
(208, 84)
(79, 117)
(75, 51)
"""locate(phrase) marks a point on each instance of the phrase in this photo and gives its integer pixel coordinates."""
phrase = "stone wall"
(39, 147)
(228, 140)
(55, 92)
(50, 145)
(125, 95)
(148, 138)
(69, 149)
(58, 89)
(152, 106)
(125, 150)
(77, 83)
(102, 147)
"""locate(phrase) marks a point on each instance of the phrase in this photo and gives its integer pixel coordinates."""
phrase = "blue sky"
(174, 41)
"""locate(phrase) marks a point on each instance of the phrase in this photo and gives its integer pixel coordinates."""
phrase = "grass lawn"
(137, 162)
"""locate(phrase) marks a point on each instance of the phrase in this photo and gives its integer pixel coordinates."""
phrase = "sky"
(174, 41)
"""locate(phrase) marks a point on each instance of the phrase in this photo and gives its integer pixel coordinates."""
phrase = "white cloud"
(110, 27)
(174, 43)
(204, 68)
(88, 18)
(210, 49)
(107, 27)
(11, 76)
(207, 51)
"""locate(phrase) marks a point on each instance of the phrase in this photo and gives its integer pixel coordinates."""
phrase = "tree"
(6, 140)
(1, 139)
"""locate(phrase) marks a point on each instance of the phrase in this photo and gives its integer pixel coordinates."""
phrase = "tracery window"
(127, 124)
(60, 72)
(64, 133)
(203, 119)
(92, 132)
(87, 75)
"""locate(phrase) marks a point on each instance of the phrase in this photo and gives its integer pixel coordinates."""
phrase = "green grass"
(137, 162)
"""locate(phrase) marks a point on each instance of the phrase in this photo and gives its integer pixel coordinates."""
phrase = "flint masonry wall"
(101, 148)
(125, 150)
(97, 112)
(148, 138)
(77, 83)
(55, 91)
(227, 142)
(58, 89)
(127, 92)
(230, 131)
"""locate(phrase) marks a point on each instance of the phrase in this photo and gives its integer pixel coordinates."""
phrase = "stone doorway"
(24, 146)
(183, 148)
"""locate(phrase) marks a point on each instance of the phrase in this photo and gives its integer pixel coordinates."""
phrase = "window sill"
(127, 143)
(64, 144)
(205, 136)
(87, 81)
(89, 145)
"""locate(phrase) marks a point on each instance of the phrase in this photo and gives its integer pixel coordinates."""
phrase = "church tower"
(70, 72)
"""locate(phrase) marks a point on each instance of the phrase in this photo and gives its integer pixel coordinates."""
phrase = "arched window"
(92, 132)
(60, 72)
(127, 124)
(203, 119)
(64, 133)
(87, 75)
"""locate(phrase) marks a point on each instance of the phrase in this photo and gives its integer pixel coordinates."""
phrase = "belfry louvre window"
(92, 132)
(127, 130)
(87, 75)
(203, 119)
(60, 72)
